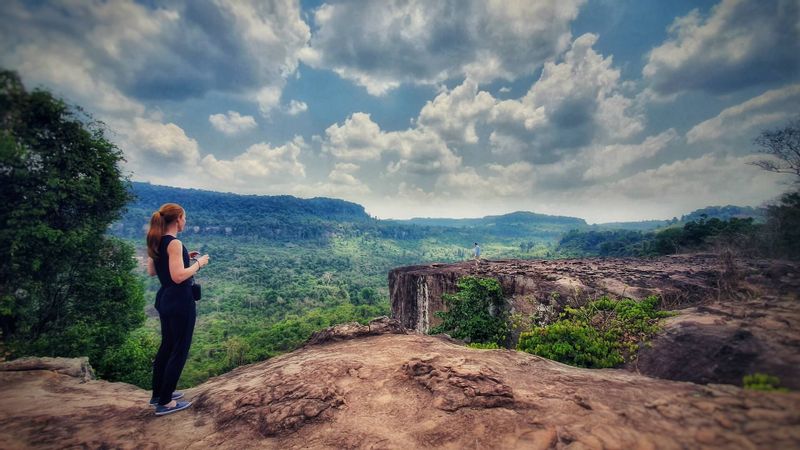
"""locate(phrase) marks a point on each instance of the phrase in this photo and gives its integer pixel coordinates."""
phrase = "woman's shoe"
(175, 396)
(162, 410)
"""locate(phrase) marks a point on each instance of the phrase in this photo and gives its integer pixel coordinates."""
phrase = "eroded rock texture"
(734, 317)
(536, 286)
(400, 391)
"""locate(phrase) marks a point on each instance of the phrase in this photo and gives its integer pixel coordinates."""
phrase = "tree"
(66, 289)
(476, 312)
(782, 230)
(783, 144)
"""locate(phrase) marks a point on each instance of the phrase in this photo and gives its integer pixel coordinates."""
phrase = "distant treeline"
(285, 219)
(777, 236)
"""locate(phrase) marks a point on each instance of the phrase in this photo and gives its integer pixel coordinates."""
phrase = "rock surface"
(721, 342)
(416, 291)
(399, 391)
(736, 316)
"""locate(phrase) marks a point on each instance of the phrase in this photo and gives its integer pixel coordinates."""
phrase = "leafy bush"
(484, 346)
(762, 382)
(476, 312)
(603, 333)
(131, 362)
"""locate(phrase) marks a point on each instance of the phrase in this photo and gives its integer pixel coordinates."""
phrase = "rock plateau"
(378, 387)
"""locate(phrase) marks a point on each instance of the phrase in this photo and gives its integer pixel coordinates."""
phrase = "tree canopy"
(66, 289)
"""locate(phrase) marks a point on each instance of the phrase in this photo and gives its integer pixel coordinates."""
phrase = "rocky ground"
(376, 387)
(734, 316)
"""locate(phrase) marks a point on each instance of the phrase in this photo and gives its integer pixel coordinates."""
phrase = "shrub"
(602, 333)
(475, 313)
(762, 382)
(131, 362)
(484, 346)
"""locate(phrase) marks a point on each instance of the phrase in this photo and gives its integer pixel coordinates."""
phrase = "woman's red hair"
(168, 213)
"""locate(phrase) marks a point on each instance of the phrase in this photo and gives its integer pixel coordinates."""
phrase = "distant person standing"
(170, 260)
(476, 253)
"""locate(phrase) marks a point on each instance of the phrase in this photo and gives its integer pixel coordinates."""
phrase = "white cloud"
(418, 152)
(296, 107)
(606, 161)
(741, 43)
(158, 148)
(381, 45)
(358, 139)
(516, 180)
(133, 51)
(259, 166)
(415, 154)
(742, 121)
(574, 103)
(232, 122)
(268, 98)
(696, 182)
(453, 114)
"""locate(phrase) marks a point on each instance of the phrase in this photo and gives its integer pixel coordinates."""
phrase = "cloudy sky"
(602, 109)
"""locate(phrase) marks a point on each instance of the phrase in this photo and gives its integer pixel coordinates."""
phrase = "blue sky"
(608, 110)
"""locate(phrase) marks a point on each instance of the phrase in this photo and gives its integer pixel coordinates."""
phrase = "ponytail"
(168, 213)
(154, 234)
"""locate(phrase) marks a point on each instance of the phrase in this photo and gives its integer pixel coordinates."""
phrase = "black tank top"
(162, 263)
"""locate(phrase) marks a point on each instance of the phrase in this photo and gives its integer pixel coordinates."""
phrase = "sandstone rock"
(400, 391)
(722, 341)
(74, 367)
(455, 386)
(352, 330)
(736, 316)
(534, 286)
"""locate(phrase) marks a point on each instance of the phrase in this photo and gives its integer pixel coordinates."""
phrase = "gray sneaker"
(175, 396)
(162, 410)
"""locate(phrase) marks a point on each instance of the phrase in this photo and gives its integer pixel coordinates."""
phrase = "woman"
(170, 260)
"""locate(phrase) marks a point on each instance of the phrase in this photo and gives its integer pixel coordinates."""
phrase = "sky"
(608, 110)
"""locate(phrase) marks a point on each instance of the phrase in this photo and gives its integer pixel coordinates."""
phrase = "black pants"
(177, 312)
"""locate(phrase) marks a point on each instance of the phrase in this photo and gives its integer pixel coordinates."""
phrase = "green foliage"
(221, 344)
(782, 230)
(723, 213)
(692, 236)
(131, 362)
(65, 288)
(602, 333)
(476, 312)
(484, 346)
(603, 243)
(762, 382)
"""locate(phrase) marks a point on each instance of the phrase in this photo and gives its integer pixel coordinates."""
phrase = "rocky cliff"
(378, 387)
(733, 316)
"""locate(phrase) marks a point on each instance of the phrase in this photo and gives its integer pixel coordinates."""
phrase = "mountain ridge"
(290, 208)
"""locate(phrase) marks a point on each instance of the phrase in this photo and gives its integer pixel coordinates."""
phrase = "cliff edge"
(733, 317)
(378, 387)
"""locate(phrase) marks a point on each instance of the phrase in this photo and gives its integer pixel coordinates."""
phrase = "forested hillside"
(283, 267)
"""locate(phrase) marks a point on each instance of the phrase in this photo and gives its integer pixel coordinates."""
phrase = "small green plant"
(484, 346)
(476, 312)
(762, 382)
(602, 333)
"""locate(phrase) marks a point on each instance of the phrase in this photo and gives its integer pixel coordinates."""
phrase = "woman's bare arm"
(177, 272)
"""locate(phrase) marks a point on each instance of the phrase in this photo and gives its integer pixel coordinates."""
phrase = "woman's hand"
(203, 260)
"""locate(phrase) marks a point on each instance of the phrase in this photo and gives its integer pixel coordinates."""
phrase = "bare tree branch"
(783, 145)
